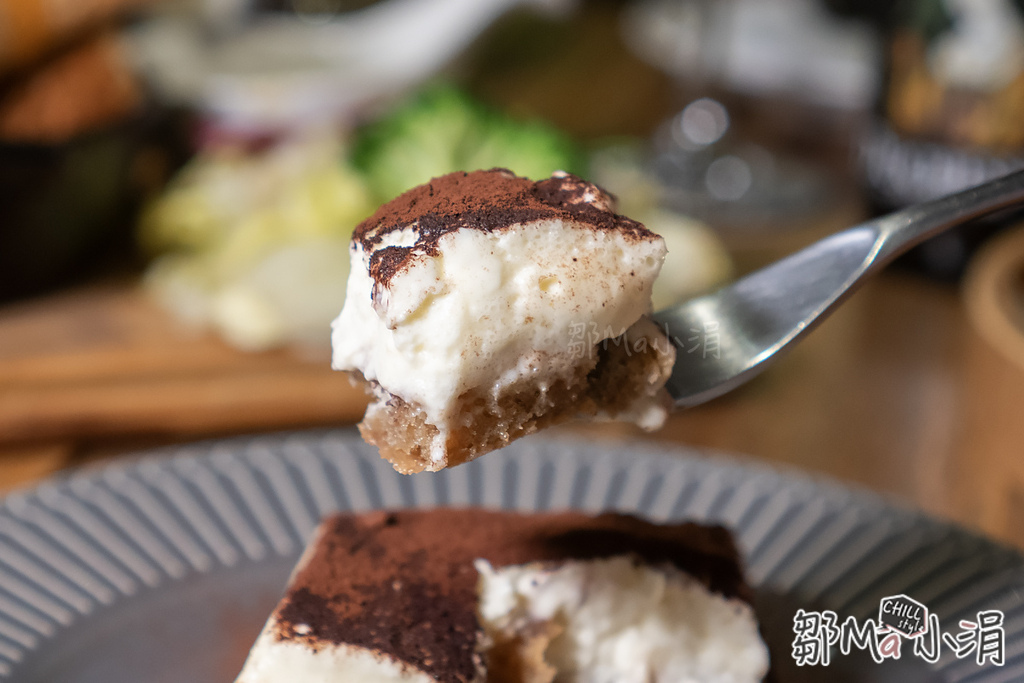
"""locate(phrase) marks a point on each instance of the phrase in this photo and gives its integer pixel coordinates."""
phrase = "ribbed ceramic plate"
(163, 569)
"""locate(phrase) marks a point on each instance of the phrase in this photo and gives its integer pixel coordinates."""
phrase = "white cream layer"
(491, 308)
(626, 622)
(272, 660)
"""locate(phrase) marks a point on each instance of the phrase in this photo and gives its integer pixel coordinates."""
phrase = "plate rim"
(578, 450)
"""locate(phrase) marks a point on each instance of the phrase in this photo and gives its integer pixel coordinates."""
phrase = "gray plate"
(164, 568)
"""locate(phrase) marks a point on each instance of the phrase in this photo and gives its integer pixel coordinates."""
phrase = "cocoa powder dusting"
(403, 584)
(483, 200)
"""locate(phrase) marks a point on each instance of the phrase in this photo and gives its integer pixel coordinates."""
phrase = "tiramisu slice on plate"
(483, 306)
(474, 596)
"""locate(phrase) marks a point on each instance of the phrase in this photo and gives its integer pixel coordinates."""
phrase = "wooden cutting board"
(106, 361)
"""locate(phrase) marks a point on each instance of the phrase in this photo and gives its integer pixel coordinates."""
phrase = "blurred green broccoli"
(442, 129)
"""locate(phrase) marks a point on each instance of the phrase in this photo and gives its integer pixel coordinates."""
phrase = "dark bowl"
(68, 210)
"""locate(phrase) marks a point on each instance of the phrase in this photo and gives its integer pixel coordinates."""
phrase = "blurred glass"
(721, 177)
(773, 93)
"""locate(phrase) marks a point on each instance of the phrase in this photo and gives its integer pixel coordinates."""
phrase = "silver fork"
(743, 327)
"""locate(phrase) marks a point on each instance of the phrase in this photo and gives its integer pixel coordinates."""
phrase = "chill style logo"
(903, 615)
(902, 621)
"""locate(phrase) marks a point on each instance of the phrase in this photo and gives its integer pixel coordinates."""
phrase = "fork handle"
(899, 231)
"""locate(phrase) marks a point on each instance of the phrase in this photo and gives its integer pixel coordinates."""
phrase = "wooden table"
(880, 395)
(102, 370)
